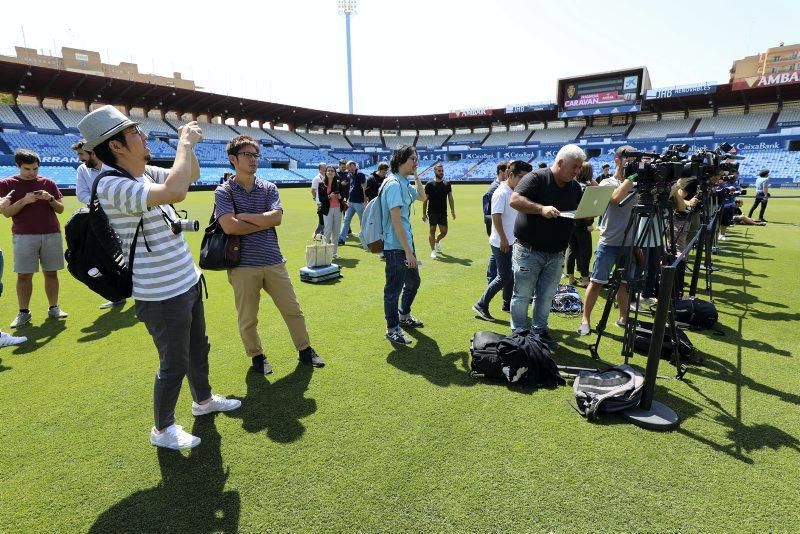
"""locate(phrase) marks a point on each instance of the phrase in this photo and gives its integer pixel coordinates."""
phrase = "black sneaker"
(544, 336)
(506, 308)
(309, 356)
(396, 335)
(410, 321)
(261, 365)
(482, 312)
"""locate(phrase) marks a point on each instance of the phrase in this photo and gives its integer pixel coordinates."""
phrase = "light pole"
(347, 8)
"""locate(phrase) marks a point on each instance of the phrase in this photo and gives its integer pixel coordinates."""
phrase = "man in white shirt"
(314, 190)
(166, 282)
(86, 173)
(501, 239)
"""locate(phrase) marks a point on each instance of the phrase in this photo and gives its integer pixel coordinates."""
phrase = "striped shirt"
(258, 248)
(168, 270)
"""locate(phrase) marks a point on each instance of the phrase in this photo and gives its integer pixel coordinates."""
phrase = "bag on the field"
(610, 391)
(486, 362)
(319, 254)
(567, 300)
(696, 313)
(686, 350)
(315, 275)
(218, 250)
(94, 253)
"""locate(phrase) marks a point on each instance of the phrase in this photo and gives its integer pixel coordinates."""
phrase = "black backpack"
(94, 250)
(686, 351)
(696, 313)
(486, 362)
(614, 390)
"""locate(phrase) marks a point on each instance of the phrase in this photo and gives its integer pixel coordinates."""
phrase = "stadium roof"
(45, 82)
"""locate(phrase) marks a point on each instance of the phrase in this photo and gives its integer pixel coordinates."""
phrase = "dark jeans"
(491, 268)
(320, 224)
(503, 281)
(760, 199)
(580, 250)
(652, 262)
(401, 283)
(178, 328)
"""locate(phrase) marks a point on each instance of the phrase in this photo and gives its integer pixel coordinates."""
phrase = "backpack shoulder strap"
(97, 181)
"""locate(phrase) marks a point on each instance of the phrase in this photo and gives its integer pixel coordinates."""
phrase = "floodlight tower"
(347, 8)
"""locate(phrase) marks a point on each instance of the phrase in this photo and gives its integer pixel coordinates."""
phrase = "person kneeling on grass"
(402, 267)
(742, 219)
(166, 282)
(251, 208)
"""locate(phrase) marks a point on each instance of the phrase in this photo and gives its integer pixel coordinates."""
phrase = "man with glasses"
(402, 267)
(251, 208)
(166, 282)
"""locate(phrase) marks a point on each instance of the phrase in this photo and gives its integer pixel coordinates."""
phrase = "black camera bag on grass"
(698, 314)
(686, 351)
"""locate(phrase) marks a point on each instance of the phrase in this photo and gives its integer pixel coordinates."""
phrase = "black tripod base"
(658, 417)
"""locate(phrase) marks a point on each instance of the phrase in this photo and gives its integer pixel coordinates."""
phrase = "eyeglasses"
(136, 131)
(246, 154)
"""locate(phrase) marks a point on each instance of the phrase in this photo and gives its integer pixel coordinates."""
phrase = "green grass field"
(402, 439)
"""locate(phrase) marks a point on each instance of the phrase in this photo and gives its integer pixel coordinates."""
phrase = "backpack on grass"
(698, 314)
(686, 350)
(94, 253)
(614, 390)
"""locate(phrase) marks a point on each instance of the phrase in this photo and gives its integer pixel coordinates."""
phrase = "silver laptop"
(593, 204)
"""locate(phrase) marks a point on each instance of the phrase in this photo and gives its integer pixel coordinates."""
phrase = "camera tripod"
(706, 242)
(653, 214)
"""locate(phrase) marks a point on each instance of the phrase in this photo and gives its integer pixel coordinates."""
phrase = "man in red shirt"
(35, 201)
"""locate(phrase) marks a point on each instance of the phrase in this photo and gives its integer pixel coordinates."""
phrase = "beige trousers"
(247, 284)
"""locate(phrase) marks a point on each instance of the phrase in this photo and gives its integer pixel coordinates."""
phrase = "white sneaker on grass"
(6, 340)
(218, 403)
(584, 329)
(56, 313)
(434, 255)
(173, 437)
(437, 247)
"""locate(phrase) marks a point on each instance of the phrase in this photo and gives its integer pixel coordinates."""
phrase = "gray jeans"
(178, 328)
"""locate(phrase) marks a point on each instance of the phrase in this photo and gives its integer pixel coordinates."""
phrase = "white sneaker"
(218, 403)
(433, 254)
(56, 313)
(22, 319)
(173, 437)
(723, 237)
(6, 340)
(437, 247)
(111, 304)
(584, 329)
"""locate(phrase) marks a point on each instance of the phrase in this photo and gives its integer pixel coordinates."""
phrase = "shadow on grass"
(444, 258)
(426, 359)
(3, 367)
(346, 263)
(39, 336)
(114, 319)
(277, 407)
(190, 498)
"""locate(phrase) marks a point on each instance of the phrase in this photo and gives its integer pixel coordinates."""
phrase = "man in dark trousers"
(438, 194)
(491, 267)
(355, 199)
(542, 236)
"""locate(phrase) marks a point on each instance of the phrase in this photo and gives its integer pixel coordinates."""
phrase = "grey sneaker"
(410, 320)
(110, 304)
(56, 313)
(22, 319)
(396, 335)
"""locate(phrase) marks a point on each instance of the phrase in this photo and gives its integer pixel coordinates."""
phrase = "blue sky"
(415, 56)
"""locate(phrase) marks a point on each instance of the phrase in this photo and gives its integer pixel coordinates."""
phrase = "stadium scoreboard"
(602, 94)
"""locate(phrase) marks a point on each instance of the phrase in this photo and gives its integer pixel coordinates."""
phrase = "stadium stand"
(308, 174)
(781, 164)
(154, 125)
(308, 156)
(255, 133)
(69, 117)
(502, 139)
(660, 129)
(431, 141)
(211, 152)
(472, 139)
(607, 129)
(556, 135)
(789, 115)
(8, 118)
(45, 145)
(280, 175)
(64, 177)
(364, 140)
(391, 141)
(211, 130)
(734, 123)
(329, 140)
(290, 138)
(361, 159)
(160, 149)
(39, 118)
(273, 154)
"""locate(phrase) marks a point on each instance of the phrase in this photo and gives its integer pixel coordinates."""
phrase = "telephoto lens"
(188, 225)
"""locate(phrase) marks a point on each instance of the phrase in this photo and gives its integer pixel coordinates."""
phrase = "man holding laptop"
(542, 237)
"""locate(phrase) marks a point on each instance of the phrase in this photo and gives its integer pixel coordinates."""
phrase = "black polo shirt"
(538, 232)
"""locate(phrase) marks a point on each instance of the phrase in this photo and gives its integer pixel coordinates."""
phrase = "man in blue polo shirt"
(251, 208)
(402, 272)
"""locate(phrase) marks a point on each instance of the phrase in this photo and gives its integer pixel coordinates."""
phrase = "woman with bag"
(331, 207)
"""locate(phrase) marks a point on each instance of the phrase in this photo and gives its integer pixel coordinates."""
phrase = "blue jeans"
(352, 209)
(491, 269)
(401, 283)
(535, 274)
(504, 279)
